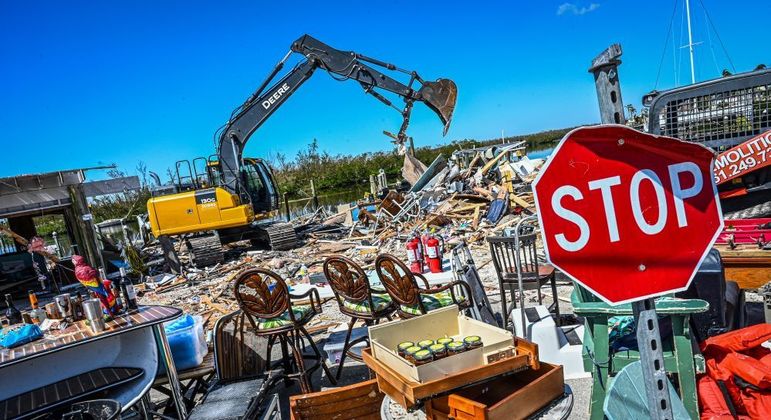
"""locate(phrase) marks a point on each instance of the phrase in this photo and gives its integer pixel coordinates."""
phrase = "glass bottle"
(127, 289)
(33, 300)
(13, 314)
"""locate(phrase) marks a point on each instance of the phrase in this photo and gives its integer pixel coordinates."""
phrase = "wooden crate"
(445, 322)
(360, 401)
(511, 397)
(408, 393)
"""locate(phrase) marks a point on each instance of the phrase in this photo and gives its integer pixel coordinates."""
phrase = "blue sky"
(83, 84)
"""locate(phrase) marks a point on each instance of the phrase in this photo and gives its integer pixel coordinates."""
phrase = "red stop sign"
(627, 214)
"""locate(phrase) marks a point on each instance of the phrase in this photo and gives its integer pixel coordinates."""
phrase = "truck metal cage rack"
(717, 113)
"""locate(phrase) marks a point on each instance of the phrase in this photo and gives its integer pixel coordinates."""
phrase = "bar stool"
(264, 298)
(410, 299)
(357, 299)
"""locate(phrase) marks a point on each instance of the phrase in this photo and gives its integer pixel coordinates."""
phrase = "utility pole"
(690, 38)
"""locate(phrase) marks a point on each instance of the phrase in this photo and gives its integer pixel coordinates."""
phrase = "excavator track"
(281, 236)
(205, 250)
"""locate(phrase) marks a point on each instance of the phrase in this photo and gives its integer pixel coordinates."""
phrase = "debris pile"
(461, 199)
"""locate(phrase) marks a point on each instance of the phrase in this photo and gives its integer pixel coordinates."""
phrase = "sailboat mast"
(690, 38)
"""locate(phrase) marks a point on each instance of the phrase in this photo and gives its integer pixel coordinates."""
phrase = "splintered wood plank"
(475, 223)
(471, 165)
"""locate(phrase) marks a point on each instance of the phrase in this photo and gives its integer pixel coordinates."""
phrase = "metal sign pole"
(652, 359)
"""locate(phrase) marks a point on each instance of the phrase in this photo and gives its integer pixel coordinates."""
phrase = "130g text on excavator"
(231, 198)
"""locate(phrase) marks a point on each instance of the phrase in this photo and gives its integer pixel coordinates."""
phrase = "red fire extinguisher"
(414, 255)
(434, 254)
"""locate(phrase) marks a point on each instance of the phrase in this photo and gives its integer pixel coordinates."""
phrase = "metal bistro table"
(74, 363)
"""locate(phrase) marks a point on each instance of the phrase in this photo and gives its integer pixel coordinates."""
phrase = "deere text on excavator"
(227, 198)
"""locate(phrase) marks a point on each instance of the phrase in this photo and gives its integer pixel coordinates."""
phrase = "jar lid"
(472, 339)
(437, 348)
(444, 340)
(405, 345)
(412, 350)
(456, 345)
(425, 343)
(422, 354)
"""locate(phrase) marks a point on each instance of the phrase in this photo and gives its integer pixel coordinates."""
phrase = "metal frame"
(520, 286)
(713, 104)
(164, 351)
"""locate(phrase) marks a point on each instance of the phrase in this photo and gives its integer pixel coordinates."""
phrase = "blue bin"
(187, 341)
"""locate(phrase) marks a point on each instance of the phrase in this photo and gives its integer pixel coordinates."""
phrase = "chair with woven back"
(409, 298)
(242, 384)
(357, 299)
(264, 298)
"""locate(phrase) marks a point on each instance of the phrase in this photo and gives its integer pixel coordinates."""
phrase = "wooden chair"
(359, 401)
(356, 299)
(410, 299)
(241, 385)
(680, 357)
(264, 298)
(534, 274)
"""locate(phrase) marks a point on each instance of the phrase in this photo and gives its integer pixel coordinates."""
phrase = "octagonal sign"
(627, 214)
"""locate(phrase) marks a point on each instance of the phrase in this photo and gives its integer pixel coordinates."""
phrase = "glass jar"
(473, 341)
(439, 351)
(409, 353)
(422, 357)
(456, 347)
(404, 345)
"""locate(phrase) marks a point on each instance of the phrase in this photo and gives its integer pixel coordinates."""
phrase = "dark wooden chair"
(534, 274)
(242, 386)
(264, 298)
(409, 298)
(356, 299)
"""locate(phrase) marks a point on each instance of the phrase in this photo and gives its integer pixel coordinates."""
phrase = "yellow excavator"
(227, 198)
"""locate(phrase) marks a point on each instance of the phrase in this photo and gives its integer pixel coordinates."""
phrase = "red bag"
(711, 400)
(761, 353)
(738, 340)
(737, 361)
(757, 403)
(727, 379)
(748, 369)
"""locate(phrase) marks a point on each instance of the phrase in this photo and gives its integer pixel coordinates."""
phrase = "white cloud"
(574, 9)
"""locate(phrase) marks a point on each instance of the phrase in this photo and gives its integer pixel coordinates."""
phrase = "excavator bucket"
(440, 96)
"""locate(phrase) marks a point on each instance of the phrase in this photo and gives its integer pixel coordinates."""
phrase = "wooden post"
(85, 226)
(315, 198)
(372, 185)
(286, 207)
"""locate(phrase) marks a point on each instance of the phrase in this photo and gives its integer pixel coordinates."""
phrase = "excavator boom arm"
(440, 96)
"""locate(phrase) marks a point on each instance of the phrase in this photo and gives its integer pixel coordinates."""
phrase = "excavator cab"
(260, 185)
